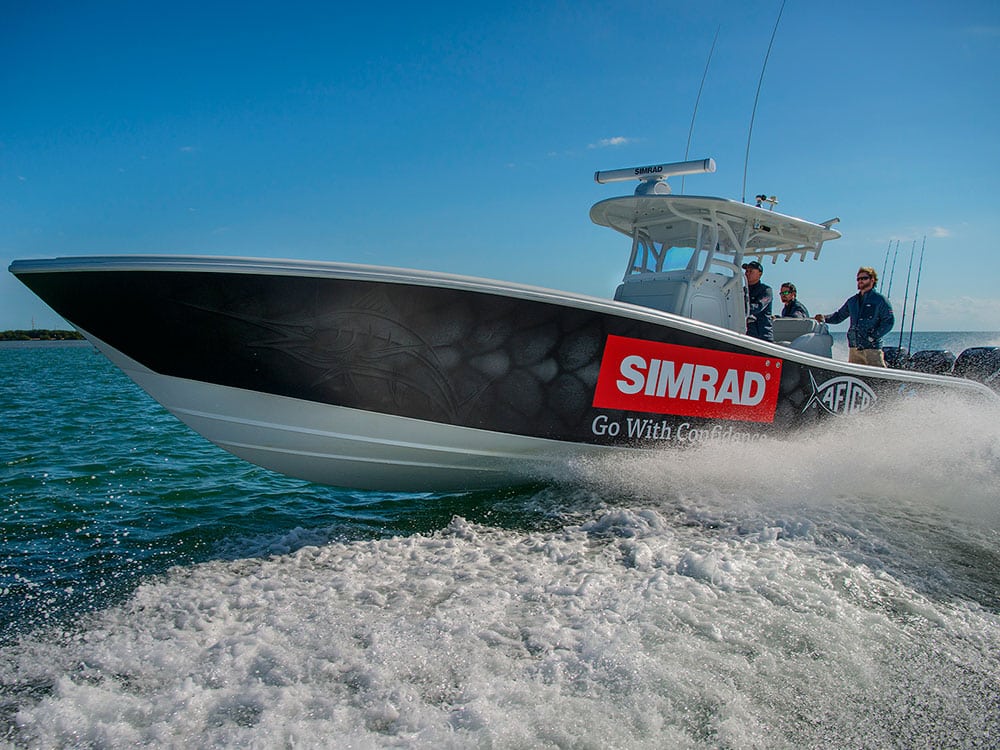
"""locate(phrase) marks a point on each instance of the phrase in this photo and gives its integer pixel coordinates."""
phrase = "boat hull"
(383, 378)
(349, 447)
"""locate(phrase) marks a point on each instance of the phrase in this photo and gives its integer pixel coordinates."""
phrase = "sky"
(463, 137)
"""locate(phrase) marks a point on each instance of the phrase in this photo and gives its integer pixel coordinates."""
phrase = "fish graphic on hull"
(841, 395)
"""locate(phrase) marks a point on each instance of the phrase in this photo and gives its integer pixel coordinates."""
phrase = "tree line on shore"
(40, 334)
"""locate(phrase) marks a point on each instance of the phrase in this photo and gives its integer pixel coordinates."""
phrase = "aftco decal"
(841, 395)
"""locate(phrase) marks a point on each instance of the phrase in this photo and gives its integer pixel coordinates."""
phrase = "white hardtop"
(688, 251)
(682, 220)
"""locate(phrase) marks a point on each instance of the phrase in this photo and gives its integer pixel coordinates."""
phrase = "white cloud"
(981, 30)
(959, 313)
(917, 234)
(618, 140)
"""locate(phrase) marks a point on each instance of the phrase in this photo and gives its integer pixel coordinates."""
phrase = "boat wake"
(922, 451)
(915, 487)
(838, 590)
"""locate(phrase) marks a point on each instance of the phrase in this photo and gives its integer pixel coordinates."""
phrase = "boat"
(385, 378)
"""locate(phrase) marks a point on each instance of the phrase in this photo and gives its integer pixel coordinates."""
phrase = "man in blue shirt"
(871, 319)
(793, 308)
(759, 315)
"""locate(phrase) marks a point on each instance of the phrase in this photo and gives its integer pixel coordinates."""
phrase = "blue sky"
(463, 137)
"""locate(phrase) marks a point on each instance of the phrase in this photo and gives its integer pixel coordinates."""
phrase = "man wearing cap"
(871, 319)
(759, 296)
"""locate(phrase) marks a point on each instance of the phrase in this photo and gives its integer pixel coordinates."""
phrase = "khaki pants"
(870, 357)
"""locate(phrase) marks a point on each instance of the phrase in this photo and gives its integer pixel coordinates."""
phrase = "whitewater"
(838, 590)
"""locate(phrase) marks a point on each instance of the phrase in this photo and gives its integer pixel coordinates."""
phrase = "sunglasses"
(783, 293)
(863, 278)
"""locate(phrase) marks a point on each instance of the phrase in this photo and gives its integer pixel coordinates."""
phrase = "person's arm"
(886, 320)
(762, 303)
(842, 314)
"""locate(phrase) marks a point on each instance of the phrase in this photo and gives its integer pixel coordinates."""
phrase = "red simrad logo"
(648, 376)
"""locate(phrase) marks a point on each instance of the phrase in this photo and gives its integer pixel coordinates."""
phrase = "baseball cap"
(754, 264)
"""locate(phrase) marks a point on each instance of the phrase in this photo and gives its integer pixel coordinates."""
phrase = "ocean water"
(837, 590)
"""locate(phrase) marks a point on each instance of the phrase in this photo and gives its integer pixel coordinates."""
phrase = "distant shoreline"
(46, 344)
(40, 334)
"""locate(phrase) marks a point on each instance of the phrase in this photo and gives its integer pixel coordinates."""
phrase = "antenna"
(753, 114)
(698, 99)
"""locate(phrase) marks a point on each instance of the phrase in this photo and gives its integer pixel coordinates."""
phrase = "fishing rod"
(916, 291)
(888, 292)
(885, 263)
(906, 293)
(698, 99)
(753, 114)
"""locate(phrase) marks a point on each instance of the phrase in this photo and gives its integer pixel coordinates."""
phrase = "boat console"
(804, 334)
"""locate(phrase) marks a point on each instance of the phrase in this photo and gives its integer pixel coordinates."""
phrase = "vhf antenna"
(746, 160)
(704, 75)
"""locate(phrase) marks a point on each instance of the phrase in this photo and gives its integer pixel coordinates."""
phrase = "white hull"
(349, 447)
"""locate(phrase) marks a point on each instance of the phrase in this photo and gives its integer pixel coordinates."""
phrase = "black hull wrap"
(452, 356)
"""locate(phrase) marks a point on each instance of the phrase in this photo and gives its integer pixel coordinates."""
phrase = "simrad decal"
(658, 378)
(841, 395)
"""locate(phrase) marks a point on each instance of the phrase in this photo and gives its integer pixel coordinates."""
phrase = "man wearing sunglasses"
(871, 319)
(789, 298)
